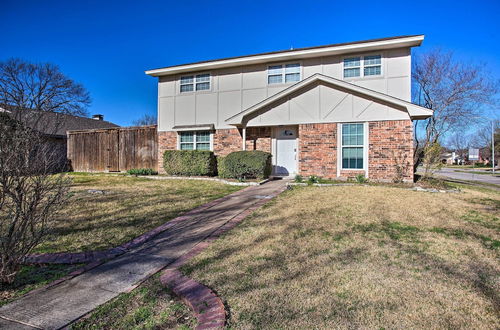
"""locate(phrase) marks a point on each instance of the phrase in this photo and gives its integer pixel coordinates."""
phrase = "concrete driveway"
(452, 173)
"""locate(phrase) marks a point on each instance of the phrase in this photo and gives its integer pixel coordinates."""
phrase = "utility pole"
(493, 147)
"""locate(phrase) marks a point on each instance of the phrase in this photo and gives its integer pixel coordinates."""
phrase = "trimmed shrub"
(243, 165)
(141, 171)
(221, 168)
(189, 162)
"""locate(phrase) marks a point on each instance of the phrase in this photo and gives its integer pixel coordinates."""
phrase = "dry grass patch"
(130, 207)
(364, 257)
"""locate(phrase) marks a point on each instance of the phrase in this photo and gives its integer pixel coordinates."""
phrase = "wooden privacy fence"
(113, 149)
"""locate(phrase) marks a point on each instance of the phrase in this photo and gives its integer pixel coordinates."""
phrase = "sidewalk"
(62, 304)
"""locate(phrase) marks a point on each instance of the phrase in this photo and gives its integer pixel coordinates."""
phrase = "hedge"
(189, 162)
(245, 165)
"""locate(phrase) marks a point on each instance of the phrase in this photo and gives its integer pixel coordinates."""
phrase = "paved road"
(60, 305)
(470, 176)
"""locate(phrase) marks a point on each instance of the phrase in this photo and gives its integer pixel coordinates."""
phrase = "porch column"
(244, 135)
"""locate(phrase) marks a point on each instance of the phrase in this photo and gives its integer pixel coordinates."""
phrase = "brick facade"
(225, 141)
(318, 150)
(166, 141)
(259, 138)
(390, 152)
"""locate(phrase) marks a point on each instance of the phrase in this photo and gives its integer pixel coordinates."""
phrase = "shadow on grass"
(404, 238)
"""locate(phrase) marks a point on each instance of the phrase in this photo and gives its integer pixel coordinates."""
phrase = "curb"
(208, 307)
(99, 256)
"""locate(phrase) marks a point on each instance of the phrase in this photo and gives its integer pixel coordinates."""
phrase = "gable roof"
(56, 124)
(414, 111)
(291, 54)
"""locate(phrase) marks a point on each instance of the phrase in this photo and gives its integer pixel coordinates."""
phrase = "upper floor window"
(200, 82)
(196, 140)
(370, 65)
(279, 74)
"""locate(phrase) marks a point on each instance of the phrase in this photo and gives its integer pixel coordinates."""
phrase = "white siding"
(234, 89)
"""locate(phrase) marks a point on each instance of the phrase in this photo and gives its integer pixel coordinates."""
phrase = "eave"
(287, 55)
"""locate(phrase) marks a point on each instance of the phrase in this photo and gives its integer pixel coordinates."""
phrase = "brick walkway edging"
(208, 307)
(99, 256)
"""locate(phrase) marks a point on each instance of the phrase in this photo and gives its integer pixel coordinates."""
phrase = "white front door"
(285, 151)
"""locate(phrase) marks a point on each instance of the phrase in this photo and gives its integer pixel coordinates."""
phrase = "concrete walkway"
(66, 302)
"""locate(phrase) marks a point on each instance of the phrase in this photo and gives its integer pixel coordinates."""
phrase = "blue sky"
(107, 45)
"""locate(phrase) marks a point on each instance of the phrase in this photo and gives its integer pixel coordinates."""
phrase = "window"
(200, 82)
(352, 146)
(352, 67)
(278, 74)
(372, 65)
(368, 66)
(194, 140)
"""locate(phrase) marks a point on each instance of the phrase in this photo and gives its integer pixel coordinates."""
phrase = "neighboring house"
(54, 127)
(334, 111)
(451, 158)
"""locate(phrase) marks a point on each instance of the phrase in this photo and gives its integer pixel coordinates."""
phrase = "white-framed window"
(372, 65)
(199, 82)
(352, 67)
(195, 140)
(283, 73)
(362, 66)
(352, 146)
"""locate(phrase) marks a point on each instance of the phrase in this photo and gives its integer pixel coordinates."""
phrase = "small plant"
(360, 178)
(141, 171)
(299, 178)
(313, 179)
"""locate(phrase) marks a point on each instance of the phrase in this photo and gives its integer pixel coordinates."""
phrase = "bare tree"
(41, 87)
(455, 90)
(145, 120)
(482, 139)
(30, 194)
(460, 143)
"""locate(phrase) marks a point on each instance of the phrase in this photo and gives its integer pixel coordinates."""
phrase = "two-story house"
(334, 111)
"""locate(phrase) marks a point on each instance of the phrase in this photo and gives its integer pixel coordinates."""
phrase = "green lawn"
(33, 277)
(130, 207)
(149, 306)
(361, 257)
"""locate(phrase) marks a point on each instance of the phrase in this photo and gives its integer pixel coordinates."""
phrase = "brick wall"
(229, 140)
(318, 150)
(259, 138)
(225, 141)
(390, 148)
(390, 151)
(166, 141)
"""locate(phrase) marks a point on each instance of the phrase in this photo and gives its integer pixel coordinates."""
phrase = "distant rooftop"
(57, 124)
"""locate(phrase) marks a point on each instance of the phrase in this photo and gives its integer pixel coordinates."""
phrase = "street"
(469, 176)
